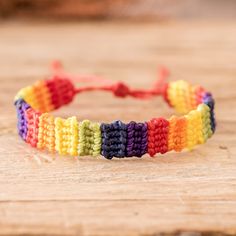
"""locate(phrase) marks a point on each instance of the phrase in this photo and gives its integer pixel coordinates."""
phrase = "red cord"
(119, 89)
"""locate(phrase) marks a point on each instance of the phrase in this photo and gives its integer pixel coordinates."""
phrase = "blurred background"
(110, 9)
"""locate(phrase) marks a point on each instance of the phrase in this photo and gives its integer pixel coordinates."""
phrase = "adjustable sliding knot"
(121, 90)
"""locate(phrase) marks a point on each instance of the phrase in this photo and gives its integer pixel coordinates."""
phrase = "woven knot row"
(137, 139)
(89, 138)
(21, 107)
(66, 135)
(46, 135)
(206, 121)
(158, 136)
(114, 138)
(210, 102)
(62, 91)
(32, 117)
(177, 140)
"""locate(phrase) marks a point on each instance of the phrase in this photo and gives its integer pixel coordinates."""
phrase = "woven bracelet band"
(70, 136)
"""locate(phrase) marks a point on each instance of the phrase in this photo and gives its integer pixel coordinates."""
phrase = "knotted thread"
(119, 89)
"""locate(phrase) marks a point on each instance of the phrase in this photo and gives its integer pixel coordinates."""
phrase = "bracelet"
(42, 130)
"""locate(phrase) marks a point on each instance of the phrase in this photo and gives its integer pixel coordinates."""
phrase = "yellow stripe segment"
(194, 129)
(181, 96)
(66, 133)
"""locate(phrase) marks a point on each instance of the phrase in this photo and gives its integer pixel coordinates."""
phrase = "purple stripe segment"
(136, 139)
(21, 107)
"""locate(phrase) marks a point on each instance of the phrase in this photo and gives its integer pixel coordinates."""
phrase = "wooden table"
(167, 195)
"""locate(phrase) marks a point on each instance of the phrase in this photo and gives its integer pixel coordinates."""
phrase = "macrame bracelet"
(69, 136)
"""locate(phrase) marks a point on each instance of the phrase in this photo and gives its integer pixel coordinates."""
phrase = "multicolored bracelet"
(79, 138)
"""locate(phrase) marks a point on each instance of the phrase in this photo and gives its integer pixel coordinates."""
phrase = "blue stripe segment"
(114, 139)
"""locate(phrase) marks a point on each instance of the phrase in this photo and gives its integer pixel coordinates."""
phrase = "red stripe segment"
(62, 91)
(158, 136)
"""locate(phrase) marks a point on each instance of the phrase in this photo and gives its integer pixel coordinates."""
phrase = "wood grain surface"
(189, 193)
